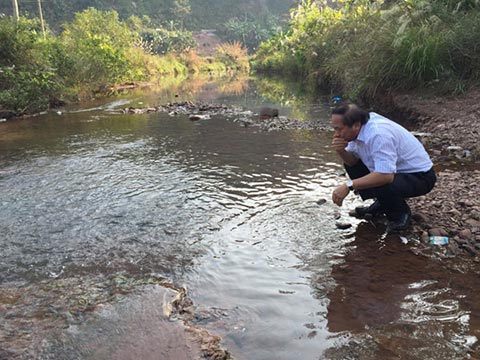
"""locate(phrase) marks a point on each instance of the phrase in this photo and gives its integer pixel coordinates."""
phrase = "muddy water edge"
(152, 236)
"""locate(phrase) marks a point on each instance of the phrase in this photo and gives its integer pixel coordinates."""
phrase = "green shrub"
(97, 43)
(29, 91)
(18, 40)
(28, 73)
(161, 41)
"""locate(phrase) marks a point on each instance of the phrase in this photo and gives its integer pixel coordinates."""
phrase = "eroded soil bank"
(450, 129)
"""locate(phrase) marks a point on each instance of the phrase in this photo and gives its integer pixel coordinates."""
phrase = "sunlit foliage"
(94, 53)
(364, 47)
(234, 55)
(28, 66)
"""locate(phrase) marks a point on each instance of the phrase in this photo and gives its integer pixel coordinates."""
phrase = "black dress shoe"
(399, 222)
(367, 212)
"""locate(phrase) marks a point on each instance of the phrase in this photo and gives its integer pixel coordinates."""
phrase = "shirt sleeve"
(352, 147)
(384, 153)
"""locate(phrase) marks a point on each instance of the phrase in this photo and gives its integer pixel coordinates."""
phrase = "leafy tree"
(192, 14)
(98, 43)
(28, 78)
(249, 32)
(181, 10)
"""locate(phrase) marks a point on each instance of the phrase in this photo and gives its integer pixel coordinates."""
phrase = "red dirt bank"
(450, 129)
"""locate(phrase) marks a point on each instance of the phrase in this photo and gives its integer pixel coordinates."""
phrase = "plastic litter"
(438, 240)
(404, 240)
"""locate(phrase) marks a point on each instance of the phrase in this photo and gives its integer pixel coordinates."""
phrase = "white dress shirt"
(386, 147)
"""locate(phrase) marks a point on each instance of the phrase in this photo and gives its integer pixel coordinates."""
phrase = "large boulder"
(268, 113)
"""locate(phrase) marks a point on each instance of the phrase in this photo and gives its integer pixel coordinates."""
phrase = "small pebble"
(342, 225)
(465, 234)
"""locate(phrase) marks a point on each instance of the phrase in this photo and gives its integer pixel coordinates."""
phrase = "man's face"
(342, 130)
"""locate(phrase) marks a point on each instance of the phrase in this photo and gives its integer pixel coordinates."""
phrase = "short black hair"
(351, 113)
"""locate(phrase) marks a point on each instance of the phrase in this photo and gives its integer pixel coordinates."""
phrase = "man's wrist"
(349, 185)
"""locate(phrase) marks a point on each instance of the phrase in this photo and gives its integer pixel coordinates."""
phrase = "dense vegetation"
(362, 47)
(93, 53)
(358, 47)
(90, 46)
(247, 21)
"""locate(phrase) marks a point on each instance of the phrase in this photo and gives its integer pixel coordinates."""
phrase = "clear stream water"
(230, 213)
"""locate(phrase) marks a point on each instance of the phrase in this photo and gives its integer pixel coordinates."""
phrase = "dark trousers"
(392, 196)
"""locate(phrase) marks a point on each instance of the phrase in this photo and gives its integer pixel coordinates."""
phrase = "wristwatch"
(349, 184)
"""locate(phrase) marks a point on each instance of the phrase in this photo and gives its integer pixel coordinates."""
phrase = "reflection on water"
(397, 303)
(94, 204)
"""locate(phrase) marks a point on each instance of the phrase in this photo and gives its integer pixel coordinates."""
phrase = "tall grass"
(362, 48)
(234, 55)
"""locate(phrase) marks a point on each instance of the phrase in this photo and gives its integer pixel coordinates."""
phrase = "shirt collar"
(362, 133)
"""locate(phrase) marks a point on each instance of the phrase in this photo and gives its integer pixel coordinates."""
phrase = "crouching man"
(384, 161)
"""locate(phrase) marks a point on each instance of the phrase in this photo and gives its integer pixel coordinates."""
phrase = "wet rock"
(210, 344)
(246, 122)
(268, 112)
(454, 148)
(196, 117)
(438, 231)
(321, 201)
(185, 107)
(342, 225)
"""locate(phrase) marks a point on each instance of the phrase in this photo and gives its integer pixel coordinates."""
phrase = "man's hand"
(339, 194)
(339, 144)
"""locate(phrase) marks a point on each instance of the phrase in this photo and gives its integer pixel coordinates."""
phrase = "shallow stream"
(234, 214)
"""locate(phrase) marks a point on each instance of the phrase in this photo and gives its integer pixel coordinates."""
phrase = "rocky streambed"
(266, 118)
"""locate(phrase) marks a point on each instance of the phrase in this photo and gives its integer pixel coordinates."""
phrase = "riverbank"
(450, 129)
